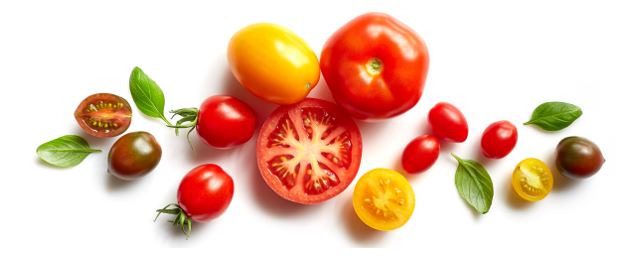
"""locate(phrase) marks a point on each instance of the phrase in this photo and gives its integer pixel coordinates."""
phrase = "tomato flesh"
(383, 199)
(532, 180)
(103, 115)
(309, 152)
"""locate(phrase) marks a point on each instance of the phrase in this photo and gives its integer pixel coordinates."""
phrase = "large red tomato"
(308, 152)
(375, 66)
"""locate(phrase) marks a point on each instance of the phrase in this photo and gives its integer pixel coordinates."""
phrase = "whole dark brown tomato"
(578, 157)
(133, 155)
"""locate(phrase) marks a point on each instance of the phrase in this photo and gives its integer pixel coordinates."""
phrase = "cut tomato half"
(309, 152)
(103, 115)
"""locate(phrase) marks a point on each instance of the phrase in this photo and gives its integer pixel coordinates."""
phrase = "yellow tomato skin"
(532, 180)
(273, 63)
(383, 199)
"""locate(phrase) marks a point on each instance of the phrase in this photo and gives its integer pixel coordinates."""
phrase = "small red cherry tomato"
(448, 123)
(420, 154)
(222, 121)
(203, 194)
(499, 139)
(225, 121)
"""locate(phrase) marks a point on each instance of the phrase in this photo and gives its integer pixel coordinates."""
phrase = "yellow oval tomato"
(383, 199)
(273, 63)
(532, 179)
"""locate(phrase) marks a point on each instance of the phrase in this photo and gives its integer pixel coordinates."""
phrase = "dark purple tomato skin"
(578, 158)
(133, 155)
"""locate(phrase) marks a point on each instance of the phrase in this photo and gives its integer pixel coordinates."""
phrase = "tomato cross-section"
(309, 152)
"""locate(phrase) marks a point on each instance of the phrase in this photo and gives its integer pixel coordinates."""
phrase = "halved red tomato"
(309, 152)
(103, 115)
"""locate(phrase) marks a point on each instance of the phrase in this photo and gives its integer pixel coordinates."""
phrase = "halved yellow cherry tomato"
(383, 199)
(273, 63)
(532, 179)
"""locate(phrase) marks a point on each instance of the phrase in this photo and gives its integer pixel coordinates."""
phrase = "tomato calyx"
(189, 119)
(374, 66)
(181, 218)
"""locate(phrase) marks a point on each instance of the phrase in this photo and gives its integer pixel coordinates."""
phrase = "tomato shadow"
(199, 152)
(512, 199)
(356, 229)
(370, 130)
(321, 91)
(232, 87)
(113, 184)
(175, 232)
(447, 148)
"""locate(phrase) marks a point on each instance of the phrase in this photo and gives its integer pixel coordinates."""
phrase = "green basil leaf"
(554, 116)
(147, 95)
(474, 184)
(66, 151)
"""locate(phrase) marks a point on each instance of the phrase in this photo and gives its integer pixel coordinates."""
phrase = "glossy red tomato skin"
(205, 192)
(375, 93)
(499, 139)
(448, 123)
(421, 153)
(225, 121)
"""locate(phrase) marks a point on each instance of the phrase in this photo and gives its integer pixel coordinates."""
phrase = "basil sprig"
(474, 184)
(65, 151)
(554, 116)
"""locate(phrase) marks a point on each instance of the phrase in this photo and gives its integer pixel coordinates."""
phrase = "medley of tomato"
(309, 150)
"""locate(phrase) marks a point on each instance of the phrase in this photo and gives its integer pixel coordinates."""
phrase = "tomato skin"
(448, 123)
(578, 157)
(133, 155)
(205, 192)
(103, 115)
(375, 66)
(421, 153)
(285, 135)
(225, 121)
(499, 139)
(273, 63)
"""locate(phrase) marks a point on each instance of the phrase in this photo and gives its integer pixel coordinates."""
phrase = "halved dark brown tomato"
(309, 152)
(103, 115)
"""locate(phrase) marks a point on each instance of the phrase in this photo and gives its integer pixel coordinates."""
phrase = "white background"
(493, 60)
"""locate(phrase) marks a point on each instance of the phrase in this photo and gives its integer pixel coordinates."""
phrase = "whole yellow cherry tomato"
(532, 179)
(383, 199)
(273, 63)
